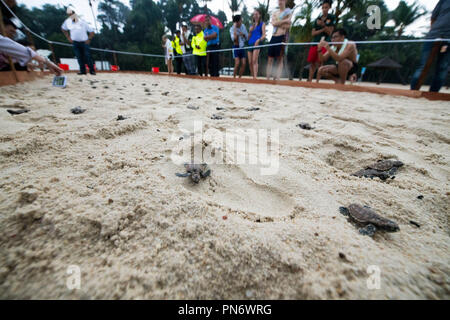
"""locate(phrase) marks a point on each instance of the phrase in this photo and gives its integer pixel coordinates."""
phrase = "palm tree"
(404, 15)
(264, 9)
(235, 5)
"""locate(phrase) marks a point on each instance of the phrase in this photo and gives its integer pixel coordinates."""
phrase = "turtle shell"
(192, 167)
(366, 215)
(362, 214)
(385, 165)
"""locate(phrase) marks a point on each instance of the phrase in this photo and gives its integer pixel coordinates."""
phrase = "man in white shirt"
(80, 36)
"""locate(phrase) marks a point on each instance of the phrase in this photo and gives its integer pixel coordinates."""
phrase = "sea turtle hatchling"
(368, 219)
(382, 169)
(77, 110)
(195, 171)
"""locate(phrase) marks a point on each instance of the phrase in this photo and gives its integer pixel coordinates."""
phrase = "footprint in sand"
(233, 188)
(236, 190)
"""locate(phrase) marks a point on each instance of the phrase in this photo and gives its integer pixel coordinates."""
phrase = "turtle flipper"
(368, 230)
(206, 173)
(183, 175)
(393, 171)
(344, 211)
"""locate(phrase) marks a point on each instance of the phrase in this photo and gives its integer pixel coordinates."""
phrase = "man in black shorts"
(281, 21)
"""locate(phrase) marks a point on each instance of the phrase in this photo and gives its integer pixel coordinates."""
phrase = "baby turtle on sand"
(195, 171)
(382, 169)
(305, 126)
(369, 220)
(216, 117)
(77, 110)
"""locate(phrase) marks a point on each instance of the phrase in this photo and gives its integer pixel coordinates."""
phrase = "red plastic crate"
(65, 67)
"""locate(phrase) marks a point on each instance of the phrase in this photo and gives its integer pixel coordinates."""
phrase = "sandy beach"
(90, 191)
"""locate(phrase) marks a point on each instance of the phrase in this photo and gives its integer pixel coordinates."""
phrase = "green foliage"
(405, 15)
(235, 5)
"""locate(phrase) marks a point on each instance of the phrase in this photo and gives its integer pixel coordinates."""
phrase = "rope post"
(3, 32)
(431, 58)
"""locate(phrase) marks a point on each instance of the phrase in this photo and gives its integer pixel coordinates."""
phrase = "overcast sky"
(82, 7)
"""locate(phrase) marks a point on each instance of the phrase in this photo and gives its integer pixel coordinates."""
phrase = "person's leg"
(343, 69)
(78, 54)
(280, 61)
(214, 64)
(208, 62)
(170, 66)
(313, 62)
(250, 62)
(328, 72)
(186, 64)
(243, 65)
(269, 68)
(178, 64)
(216, 61)
(88, 58)
(199, 70)
(312, 69)
(426, 50)
(255, 63)
(204, 65)
(441, 72)
(192, 64)
(236, 64)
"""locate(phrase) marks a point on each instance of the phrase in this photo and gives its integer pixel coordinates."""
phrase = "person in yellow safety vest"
(178, 52)
(199, 45)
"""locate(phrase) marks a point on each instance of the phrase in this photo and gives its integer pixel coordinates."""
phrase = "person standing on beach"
(178, 52)
(257, 35)
(440, 28)
(186, 40)
(167, 45)
(281, 21)
(345, 54)
(323, 28)
(211, 35)
(199, 45)
(80, 34)
(239, 36)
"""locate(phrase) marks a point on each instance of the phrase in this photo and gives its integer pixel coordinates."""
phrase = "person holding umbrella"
(211, 35)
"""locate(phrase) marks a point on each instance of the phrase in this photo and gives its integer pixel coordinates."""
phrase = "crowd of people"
(199, 52)
(246, 44)
(334, 62)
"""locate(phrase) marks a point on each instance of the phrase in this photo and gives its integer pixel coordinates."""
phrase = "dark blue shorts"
(275, 51)
(238, 53)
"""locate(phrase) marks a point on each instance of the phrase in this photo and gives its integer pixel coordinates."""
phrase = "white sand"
(102, 194)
